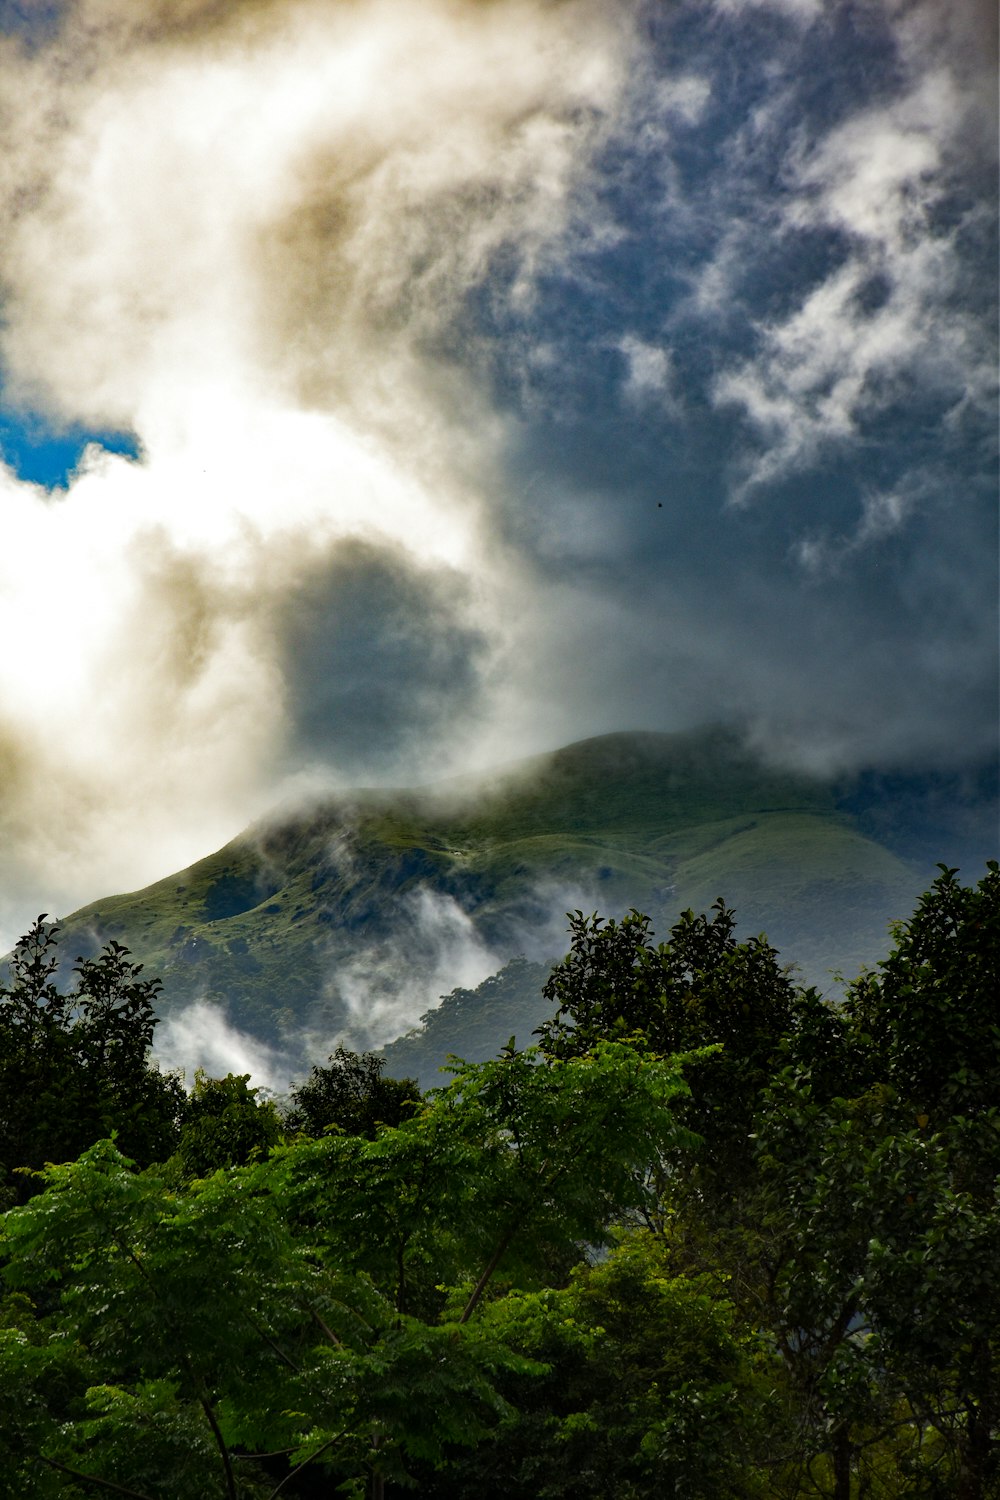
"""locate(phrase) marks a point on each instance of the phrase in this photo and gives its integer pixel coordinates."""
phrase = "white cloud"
(233, 232)
(201, 1036)
(649, 374)
(684, 95)
(434, 948)
(250, 232)
(841, 353)
(179, 219)
(804, 11)
(883, 514)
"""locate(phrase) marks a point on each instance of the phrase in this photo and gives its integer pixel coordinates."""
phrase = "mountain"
(351, 917)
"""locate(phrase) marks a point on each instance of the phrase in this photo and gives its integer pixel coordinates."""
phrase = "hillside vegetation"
(352, 916)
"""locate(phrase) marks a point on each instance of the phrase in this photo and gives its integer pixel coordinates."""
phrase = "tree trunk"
(487, 1275)
(842, 1462)
(977, 1448)
(378, 1478)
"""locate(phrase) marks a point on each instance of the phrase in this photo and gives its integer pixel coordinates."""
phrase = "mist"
(200, 1037)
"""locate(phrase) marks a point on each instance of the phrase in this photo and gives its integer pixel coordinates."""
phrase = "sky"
(393, 387)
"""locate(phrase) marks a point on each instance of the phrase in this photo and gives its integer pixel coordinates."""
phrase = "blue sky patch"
(46, 455)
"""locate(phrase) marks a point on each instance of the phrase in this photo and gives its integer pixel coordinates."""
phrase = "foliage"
(352, 1095)
(226, 1124)
(878, 1202)
(650, 1388)
(927, 1017)
(463, 1300)
(74, 1064)
(701, 988)
(847, 1181)
(509, 1168)
(293, 1306)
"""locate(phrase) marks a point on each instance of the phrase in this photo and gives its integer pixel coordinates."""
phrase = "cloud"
(434, 947)
(201, 1036)
(685, 96)
(890, 317)
(883, 514)
(447, 335)
(649, 372)
(803, 11)
(256, 205)
(379, 654)
(237, 232)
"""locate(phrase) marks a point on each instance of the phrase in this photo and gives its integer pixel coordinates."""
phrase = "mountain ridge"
(348, 918)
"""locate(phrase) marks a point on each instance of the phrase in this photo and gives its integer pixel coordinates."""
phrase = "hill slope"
(351, 917)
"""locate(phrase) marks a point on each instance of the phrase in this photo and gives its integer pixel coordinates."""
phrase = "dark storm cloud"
(380, 658)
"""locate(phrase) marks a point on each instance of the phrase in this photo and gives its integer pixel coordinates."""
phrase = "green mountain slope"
(350, 918)
(472, 1024)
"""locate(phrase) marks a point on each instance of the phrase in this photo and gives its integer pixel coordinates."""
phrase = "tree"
(927, 1018)
(649, 1387)
(352, 1095)
(701, 989)
(74, 1064)
(846, 1184)
(879, 1205)
(429, 1303)
(927, 1023)
(226, 1124)
(323, 1308)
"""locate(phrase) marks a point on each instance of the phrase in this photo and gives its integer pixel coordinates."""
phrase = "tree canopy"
(74, 1062)
(714, 1237)
(351, 1095)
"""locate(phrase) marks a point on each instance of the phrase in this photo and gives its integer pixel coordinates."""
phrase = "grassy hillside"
(353, 916)
(472, 1024)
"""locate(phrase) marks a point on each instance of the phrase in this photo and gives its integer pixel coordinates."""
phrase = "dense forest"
(710, 1236)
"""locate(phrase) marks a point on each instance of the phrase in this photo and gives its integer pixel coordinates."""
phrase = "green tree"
(846, 1181)
(927, 1022)
(879, 1211)
(506, 1171)
(649, 1387)
(74, 1064)
(351, 1094)
(226, 1124)
(702, 990)
(200, 1329)
(927, 1018)
(325, 1306)
(815, 1314)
